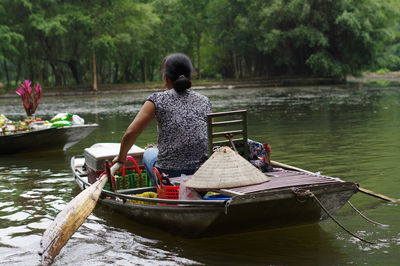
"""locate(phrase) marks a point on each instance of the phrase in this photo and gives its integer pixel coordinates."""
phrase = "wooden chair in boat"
(228, 128)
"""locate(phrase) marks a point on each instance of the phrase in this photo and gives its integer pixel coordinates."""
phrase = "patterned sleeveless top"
(182, 128)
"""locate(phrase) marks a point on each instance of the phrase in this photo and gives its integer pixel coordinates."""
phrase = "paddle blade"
(69, 220)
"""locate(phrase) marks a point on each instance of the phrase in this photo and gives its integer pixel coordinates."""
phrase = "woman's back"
(182, 122)
(182, 128)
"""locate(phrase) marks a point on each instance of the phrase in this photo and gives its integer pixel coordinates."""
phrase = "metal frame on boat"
(45, 139)
(277, 203)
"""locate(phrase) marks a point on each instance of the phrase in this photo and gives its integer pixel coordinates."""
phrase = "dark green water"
(347, 132)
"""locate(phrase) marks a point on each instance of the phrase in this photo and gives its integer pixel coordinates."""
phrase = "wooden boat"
(45, 139)
(280, 202)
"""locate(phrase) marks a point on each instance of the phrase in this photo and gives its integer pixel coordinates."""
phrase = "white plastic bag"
(61, 117)
(37, 125)
(77, 120)
(186, 193)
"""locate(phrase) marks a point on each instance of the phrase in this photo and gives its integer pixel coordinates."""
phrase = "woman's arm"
(141, 121)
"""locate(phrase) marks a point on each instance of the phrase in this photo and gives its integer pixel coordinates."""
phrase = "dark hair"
(178, 68)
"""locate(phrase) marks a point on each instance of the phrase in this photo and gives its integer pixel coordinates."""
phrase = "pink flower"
(20, 91)
(27, 86)
(38, 94)
(30, 97)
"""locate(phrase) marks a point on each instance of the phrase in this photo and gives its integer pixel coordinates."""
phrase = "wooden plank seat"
(224, 125)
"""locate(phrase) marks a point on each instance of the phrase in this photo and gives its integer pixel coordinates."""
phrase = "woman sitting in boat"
(181, 114)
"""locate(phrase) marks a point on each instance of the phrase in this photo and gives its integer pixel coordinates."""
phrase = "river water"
(351, 132)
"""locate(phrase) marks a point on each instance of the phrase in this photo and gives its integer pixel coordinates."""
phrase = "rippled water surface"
(347, 132)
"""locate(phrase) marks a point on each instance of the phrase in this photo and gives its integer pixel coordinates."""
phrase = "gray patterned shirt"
(182, 128)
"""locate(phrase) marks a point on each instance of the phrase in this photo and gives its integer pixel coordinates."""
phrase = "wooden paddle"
(363, 190)
(71, 218)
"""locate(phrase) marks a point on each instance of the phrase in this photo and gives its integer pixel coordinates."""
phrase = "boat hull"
(267, 209)
(45, 139)
(196, 221)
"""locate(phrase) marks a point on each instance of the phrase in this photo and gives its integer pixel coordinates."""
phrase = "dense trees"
(73, 43)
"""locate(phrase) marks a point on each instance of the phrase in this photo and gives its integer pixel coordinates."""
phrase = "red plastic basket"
(163, 191)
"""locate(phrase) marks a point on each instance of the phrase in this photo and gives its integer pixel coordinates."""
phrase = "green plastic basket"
(130, 177)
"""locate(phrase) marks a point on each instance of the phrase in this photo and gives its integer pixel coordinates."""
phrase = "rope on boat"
(365, 217)
(227, 203)
(308, 193)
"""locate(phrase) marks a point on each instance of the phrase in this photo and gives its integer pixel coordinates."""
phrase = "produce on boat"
(60, 132)
(8, 127)
(34, 134)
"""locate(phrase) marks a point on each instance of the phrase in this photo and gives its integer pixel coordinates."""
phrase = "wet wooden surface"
(285, 178)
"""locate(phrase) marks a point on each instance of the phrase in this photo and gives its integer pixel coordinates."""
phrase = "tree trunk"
(110, 73)
(56, 73)
(73, 65)
(6, 69)
(241, 68)
(126, 74)
(152, 68)
(94, 73)
(41, 76)
(18, 72)
(116, 69)
(90, 71)
(144, 69)
(198, 55)
(235, 65)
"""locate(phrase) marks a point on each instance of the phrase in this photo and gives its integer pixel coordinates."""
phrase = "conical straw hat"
(226, 169)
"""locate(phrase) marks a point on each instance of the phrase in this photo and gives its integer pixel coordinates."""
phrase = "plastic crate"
(163, 191)
(130, 177)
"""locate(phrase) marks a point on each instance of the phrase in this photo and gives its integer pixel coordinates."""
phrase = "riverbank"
(197, 84)
(376, 77)
(382, 79)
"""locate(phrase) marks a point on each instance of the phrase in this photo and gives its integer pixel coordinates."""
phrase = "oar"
(363, 190)
(71, 218)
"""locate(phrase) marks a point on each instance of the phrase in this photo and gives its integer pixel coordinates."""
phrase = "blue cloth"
(149, 161)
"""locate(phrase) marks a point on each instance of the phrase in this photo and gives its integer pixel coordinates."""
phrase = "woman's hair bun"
(178, 68)
(182, 84)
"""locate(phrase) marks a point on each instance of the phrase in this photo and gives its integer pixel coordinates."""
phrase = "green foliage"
(382, 71)
(324, 64)
(8, 40)
(218, 77)
(53, 26)
(56, 42)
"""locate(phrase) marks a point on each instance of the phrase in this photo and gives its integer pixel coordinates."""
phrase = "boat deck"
(281, 179)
